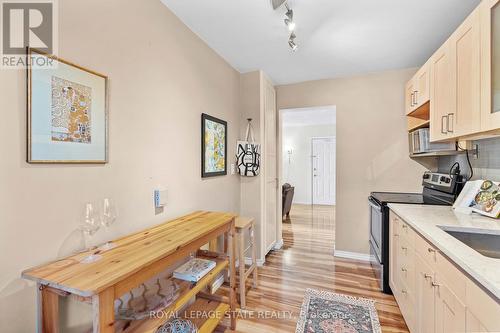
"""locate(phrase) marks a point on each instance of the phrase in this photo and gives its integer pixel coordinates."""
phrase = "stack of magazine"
(194, 269)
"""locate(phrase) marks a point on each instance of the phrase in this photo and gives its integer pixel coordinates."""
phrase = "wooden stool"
(242, 224)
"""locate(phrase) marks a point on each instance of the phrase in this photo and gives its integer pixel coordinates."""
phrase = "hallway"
(306, 261)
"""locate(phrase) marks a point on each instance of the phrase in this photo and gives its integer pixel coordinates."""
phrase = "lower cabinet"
(433, 295)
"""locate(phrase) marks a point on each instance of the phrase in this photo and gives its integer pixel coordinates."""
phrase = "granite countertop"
(426, 221)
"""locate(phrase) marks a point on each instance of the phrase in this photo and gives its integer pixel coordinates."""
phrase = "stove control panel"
(441, 180)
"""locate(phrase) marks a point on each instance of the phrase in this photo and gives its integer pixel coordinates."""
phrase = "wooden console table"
(135, 259)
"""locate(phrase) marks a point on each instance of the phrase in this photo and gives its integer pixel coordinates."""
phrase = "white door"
(323, 171)
(270, 171)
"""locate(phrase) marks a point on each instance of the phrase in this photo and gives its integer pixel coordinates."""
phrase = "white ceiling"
(336, 38)
(309, 116)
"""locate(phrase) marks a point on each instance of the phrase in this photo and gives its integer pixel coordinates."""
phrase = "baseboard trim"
(352, 255)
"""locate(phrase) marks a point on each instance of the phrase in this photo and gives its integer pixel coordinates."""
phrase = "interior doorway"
(307, 162)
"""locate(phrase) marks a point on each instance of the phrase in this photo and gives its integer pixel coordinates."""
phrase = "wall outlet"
(160, 198)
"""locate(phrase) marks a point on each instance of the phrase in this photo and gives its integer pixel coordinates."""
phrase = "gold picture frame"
(35, 155)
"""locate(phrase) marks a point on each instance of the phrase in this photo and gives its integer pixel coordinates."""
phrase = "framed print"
(213, 146)
(67, 112)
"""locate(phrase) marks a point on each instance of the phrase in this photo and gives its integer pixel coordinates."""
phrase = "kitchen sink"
(486, 243)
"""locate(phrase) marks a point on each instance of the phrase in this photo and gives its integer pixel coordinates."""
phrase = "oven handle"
(374, 205)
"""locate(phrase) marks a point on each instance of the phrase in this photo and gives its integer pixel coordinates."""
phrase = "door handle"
(448, 122)
(443, 128)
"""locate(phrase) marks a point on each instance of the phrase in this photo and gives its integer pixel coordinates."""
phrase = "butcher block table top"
(130, 254)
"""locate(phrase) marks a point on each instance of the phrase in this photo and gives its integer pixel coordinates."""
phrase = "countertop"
(426, 221)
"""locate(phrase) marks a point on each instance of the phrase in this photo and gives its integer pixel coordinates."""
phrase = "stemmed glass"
(91, 222)
(109, 215)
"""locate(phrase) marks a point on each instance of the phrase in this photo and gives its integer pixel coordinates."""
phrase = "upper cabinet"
(461, 81)
(441, 106)
(490, 61)
(417, 90)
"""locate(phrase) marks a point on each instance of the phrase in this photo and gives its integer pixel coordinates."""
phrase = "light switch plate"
(233, 169)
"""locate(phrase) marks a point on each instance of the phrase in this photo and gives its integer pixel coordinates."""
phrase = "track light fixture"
(291, 27)
(291, 42)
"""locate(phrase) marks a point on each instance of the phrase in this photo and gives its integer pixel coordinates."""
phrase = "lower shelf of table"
(187, 292)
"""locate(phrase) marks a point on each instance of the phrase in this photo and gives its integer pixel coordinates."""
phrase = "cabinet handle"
(403, 269)
(443, 128)
(404, 292)
(396, 235)
(415, 93)
(448, 122)
(434, 284)
(412, 99)
(404, 248)
(427, 276)
(431, 250)
(404, 226)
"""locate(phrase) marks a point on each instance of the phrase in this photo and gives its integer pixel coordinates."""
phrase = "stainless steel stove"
(438, 189)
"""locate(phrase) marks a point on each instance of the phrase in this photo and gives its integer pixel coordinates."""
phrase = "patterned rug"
(324, 312)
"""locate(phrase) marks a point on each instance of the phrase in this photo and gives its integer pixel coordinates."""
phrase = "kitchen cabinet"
(463, 80)
(490, 62)
(424, 294)
(441, 93)
(417, 90)
(465, 114)
(409, 97)
(433, 294)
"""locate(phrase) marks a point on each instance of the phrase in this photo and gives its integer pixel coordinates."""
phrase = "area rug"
(325, 312)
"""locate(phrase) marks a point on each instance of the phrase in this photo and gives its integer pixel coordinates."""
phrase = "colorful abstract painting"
(214, 146)
(71, 116)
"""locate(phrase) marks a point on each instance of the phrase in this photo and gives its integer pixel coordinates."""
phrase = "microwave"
(419, 141)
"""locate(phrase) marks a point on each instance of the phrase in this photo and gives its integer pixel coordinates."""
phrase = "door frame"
(280, 155)
(334, 139)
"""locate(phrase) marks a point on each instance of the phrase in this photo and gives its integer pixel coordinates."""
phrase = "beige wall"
(372, 148)
(162, 77)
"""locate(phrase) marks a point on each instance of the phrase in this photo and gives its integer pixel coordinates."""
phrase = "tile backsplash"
(487, 166)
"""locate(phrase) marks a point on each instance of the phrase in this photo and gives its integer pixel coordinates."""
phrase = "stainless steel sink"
(485, 242)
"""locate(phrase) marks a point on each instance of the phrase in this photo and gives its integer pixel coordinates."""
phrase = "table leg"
(232, 275)
(48, 310)
(241, 262)
(103, 311)
(254, 257)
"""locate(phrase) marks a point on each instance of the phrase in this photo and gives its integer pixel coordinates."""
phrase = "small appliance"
(419, 142)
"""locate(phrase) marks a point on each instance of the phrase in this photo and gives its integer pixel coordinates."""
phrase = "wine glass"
(109, 215)
(91, 223)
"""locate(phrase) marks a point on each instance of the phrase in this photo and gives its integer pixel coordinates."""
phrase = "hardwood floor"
(307, 261)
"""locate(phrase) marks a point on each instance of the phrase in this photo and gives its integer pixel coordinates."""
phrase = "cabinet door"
(409, 97)
(449, 312)
(490, 63)
(465, 115)
(422, 86)
(424, 294)
(441, 92)
(393, 253)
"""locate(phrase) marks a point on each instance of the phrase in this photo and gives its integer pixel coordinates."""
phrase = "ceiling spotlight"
(290, 24)
(292, 44)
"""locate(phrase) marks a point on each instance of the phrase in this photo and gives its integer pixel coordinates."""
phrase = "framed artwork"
(67, 112)
(213, 146)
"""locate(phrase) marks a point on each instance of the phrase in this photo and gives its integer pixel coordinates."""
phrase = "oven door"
(376, 227)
